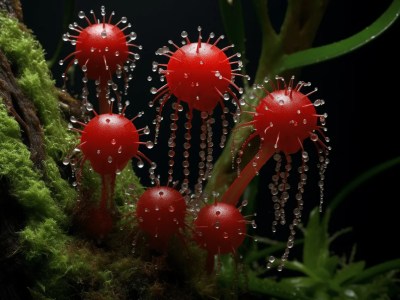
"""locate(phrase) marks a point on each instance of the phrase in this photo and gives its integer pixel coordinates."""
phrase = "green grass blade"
(322, 53)
(362, 179)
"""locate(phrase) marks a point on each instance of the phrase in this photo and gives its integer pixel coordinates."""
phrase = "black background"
(360, 89)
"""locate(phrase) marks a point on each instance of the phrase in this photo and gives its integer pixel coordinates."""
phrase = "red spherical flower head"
(284, 119)
(161, 212)
(199, 73)
(219, 228)
(194, 75)
(101, 48)
(109, 141)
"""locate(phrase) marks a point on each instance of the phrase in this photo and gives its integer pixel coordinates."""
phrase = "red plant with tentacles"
(160, 212)
(219, 228)
(199, 74)
(102, 49)
(108, 141)
(282, 121)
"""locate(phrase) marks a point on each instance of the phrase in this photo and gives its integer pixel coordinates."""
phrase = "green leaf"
(273, 288)
(316, 244)
(300, 282)
(376, 270)
(361, 179)
(349, 271)
(319, 54)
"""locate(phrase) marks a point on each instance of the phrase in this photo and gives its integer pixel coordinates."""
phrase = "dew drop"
(314, 137)
(146, 130)
(184, 34)
(66, 161)
(149, 144)
(153, 90)
(140, 164)
(318, 102)
(217, 225)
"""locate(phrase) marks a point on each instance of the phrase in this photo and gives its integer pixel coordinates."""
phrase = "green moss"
(35, 80)
(16, 167)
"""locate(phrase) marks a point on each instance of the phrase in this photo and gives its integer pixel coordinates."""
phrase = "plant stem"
(67, 18)
(319, 54)
(374, 271)
(236, 189)
(362, 179)
(104, 106)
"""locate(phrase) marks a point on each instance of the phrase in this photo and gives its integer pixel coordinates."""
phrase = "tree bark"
(13, 7)
(13, 275)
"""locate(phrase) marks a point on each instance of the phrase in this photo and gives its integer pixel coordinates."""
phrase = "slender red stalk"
(236, 189)
(104, 106)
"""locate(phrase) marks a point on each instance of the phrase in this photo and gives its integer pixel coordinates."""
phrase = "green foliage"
(26, 184)
(330, 51)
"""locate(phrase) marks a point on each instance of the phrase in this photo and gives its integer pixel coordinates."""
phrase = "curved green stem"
(362, 179)
(262, 254)
(68, 12)
(232, 19)
(374, 271)
(319, 54)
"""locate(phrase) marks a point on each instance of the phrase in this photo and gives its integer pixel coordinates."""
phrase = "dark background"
(360, 89)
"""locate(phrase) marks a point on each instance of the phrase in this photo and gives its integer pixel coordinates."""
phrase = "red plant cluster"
(198, 77)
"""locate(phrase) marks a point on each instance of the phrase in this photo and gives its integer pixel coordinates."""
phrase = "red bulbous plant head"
(109, 141)
(102, 50)
(199, 74)
(282, 121)
(161, 212)
(219, 228)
